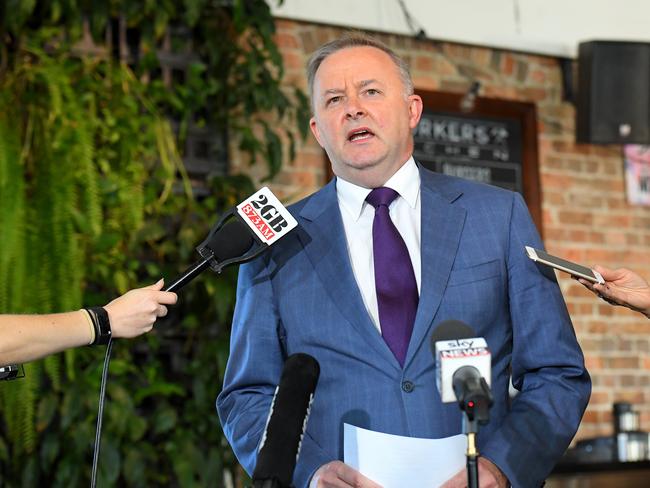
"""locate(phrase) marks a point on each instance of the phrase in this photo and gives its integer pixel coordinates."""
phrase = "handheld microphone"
(242, 233)
(11, 372)
(464, 368)
(286, 424)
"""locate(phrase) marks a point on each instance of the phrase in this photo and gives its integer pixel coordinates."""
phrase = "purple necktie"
(397, 291)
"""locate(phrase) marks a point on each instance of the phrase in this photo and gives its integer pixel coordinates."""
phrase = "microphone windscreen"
(280, 445)
(450, 330)
(231, 241)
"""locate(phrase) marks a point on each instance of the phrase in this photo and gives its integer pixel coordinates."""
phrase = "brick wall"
(585, 213)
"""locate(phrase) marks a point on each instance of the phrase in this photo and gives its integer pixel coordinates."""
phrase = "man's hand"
(339, 475)
(489, 476)
(622, 287)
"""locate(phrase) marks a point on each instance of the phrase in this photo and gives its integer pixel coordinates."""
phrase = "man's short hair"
(355, 39)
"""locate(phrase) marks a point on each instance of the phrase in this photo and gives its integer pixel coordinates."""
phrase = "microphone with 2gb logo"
(242, 233)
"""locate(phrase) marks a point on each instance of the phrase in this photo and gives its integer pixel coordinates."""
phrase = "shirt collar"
(406, 182)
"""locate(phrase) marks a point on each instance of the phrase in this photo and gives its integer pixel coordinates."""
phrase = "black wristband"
(102, 325)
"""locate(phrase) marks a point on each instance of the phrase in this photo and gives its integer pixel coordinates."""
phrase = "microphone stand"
(475, 401)
(470, 429)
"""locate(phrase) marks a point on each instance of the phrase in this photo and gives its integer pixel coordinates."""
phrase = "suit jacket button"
(408, 386)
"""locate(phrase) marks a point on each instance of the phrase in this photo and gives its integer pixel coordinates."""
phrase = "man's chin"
(364, 160)
(368, 174)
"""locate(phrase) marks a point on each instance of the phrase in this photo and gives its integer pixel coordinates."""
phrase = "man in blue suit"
(318, 291)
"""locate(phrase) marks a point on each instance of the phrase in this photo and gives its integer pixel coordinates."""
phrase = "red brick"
(571, 147)
(444, 68)
(586, 308)
(424, 63)
(594, 363)
(508, 64)
(604, 380)
(292, 60)
(426, 83)
(457, 51)
(535, 94)
(600, 397)
(554, 234)
(507, 92)
(481, 56)
(282, 24)
(554, 198)
(622, 362)
(286, 41)
(555, 181)
(598, 327)
(571, 217)
(627, 380)
(576, 290)
(634, 397)
(538, 76)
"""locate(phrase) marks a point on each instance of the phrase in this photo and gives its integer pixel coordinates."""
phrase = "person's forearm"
(25, 338)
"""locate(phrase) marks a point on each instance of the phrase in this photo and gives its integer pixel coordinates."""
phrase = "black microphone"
(473, 393)
(11, 372)
(242, 233)
(451, 330)
(227, 243)
(463, 363)
(286, 424)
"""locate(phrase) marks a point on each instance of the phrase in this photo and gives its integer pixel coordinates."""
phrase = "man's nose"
(354, 109)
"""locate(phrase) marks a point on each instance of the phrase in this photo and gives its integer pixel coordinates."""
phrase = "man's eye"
(372, 91)
(333, 100)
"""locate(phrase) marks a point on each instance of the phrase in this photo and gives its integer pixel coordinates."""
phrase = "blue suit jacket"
(302, 297)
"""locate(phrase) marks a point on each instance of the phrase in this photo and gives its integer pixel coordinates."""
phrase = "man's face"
(362, 116)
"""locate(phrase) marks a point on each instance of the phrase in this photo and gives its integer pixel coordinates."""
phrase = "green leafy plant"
(94, 200)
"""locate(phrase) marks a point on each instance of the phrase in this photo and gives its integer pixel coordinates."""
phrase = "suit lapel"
(442, 223)
(325, 244)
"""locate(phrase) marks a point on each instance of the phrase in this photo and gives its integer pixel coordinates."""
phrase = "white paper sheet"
(395, 461)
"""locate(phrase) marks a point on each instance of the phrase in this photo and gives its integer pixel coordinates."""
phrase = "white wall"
(553, 27)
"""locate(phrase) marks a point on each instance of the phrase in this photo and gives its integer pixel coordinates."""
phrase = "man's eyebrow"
(364, 83)
(361, 84)
(331, 91)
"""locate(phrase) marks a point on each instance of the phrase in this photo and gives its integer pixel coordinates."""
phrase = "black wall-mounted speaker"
(613, 103)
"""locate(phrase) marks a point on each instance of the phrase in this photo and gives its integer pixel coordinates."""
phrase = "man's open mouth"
(360, 134)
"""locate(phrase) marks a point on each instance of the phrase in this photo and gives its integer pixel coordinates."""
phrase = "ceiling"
(551, 27)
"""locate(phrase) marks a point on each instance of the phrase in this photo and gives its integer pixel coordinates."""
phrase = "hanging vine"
(94, 200)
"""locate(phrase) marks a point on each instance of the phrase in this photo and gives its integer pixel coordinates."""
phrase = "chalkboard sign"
(495, 143)
(480, 149)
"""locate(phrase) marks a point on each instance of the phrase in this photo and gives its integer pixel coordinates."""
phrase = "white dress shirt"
(358, 216)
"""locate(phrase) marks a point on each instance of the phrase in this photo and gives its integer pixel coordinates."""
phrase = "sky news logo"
(465, 353)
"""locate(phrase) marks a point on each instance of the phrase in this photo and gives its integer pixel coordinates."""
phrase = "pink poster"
(637, 173)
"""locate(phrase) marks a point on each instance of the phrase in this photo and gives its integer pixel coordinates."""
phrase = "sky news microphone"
(286, 424)
(463, 364)
(241, 234)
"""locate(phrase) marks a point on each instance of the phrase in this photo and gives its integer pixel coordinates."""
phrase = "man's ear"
(313, 125)
(415, 110)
